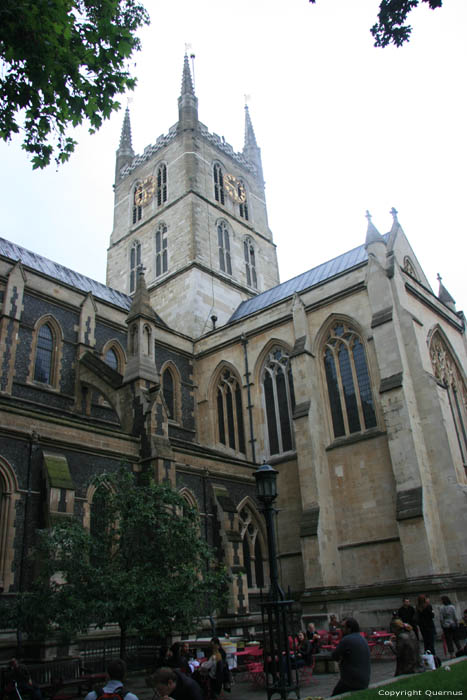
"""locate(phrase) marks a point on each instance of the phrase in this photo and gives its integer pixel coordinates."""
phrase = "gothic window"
(135, 261)
(230, 412)
(279, 400)
(44, 355)
(253, 548)
(447, 373)
(243, 206)
(161, 250)
(409, 267)
(137, 211)
(224, 247)
(348, 381)
(111, 359)
(250, 263)
(8, 495)
(161, 184)
(147, 335)
(168, 391)
(218, 183)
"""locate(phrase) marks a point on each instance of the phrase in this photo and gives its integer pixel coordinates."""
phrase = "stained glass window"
(348, 381)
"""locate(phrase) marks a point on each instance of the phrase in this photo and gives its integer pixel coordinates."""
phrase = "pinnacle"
(125, 137)
(250, 139)
(187, 82)
(372, 233)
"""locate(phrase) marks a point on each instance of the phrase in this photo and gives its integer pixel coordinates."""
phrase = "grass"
(439, 683)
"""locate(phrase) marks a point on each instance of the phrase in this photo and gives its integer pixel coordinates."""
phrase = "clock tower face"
(145, 191)
(234, 188)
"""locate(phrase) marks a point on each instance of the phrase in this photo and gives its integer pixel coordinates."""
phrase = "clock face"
(234, 188)
(145, 191)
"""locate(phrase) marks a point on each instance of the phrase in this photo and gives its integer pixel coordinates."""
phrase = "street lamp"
(281, 678)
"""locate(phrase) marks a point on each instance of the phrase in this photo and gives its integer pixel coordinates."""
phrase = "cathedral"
(194, 362)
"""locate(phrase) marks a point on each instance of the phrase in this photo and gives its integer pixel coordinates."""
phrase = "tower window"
(243, 205)
(224, 247)
(349, 386)
(135, 261)
(161, 184)
(230, 412)
(161, 250)
(250, 263)
(218, 184)
(279, 400)
(137, 207)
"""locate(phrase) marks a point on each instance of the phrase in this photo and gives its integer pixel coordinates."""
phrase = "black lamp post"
(281, 678)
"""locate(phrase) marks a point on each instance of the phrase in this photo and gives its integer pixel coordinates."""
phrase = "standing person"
(304, 651)
(116, 671)
(353, 654)
(172, 684)
(448, 620)
(425, 620)
(406, 613)
(214, 667)
(313, 637)
(406, 648)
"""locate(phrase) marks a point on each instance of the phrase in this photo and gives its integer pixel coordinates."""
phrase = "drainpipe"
(244, 340)
(32, 444)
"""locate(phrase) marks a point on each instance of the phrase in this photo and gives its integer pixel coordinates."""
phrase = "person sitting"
(17, 680)
(406, 648)
(353, 655)
(313, 637)
(172, 684)
(406, 613)
(334, 626)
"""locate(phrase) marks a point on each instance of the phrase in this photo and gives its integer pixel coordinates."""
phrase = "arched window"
(447, 373)
(348, 380)
(224, 247)
(218, 183)
(279, 400)
(44, 363)
(147, 335)
(229, 411)
(111, 359)
(135, 261)
(168, 389)
(137, 211)
(253, 548)
(161, 250)
(8, 499)
(250, 263)
(161, 184)
(243, 203)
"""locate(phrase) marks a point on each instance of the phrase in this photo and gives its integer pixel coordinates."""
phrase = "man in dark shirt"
(171, 683)
(407, 613)
(353, 655)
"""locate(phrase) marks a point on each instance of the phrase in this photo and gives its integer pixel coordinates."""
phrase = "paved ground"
(322, 685)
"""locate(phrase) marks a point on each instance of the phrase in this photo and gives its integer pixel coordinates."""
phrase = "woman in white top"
(448, 620)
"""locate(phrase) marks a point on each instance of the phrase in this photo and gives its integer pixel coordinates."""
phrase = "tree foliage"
(143, 564)
(391, 27)
(63, 61)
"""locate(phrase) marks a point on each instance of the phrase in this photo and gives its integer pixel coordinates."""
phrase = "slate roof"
(325, 271)
(64, 274)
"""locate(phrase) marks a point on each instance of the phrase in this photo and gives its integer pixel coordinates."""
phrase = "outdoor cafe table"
(378, 642)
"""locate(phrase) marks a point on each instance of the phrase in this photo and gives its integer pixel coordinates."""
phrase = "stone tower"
(192, 211)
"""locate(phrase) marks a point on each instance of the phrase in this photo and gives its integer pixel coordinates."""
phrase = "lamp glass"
(266, 482)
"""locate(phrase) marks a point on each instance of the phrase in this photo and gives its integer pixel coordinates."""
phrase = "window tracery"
(230, 411)
(279, 400)
(46, 352)
(253, 548)
(168, 389)
(447, 373)
(348, 381)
